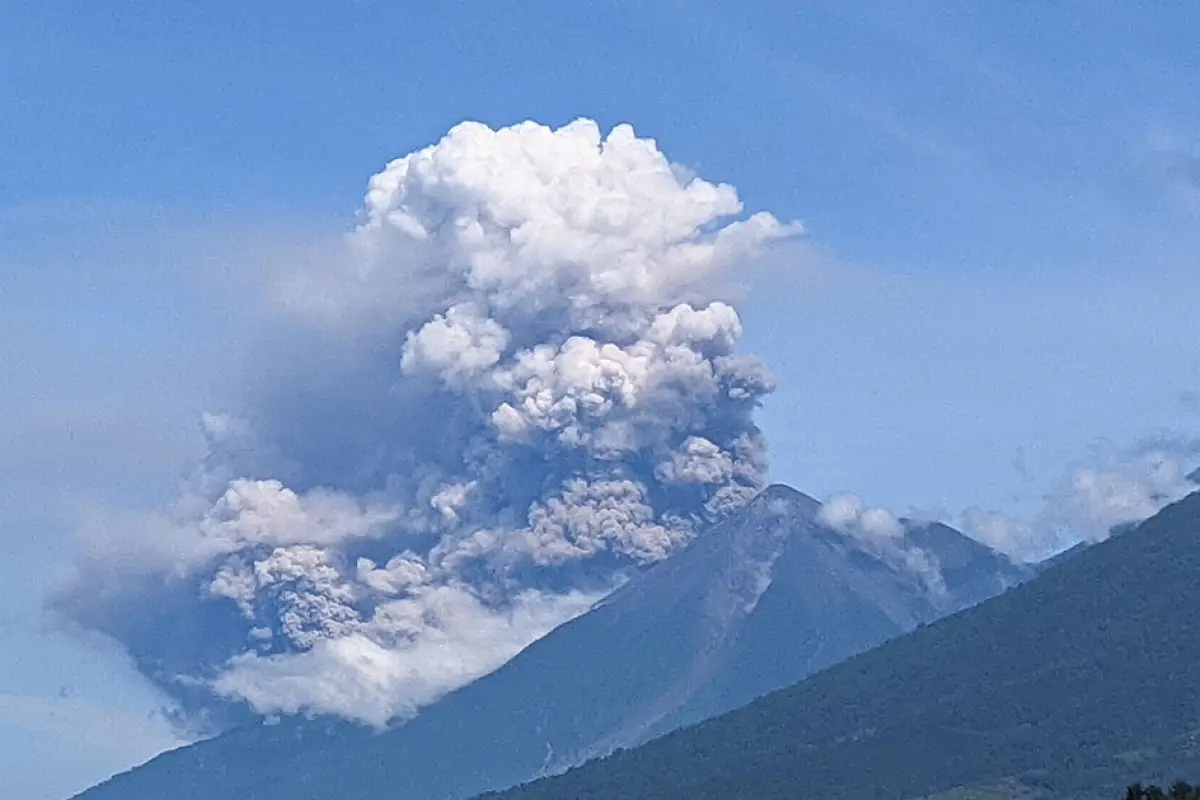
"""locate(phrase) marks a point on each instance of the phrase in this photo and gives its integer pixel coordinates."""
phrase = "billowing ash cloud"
(517, 379)
(880, 532)
(846, 512)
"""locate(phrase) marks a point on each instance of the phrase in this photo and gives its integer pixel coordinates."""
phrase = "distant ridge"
(1070, 686)
(757, 602)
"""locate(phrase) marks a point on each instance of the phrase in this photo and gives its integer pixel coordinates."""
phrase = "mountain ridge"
(1071, 686)
(756, 602)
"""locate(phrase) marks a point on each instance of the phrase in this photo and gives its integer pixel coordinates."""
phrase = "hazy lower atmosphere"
(599, 400)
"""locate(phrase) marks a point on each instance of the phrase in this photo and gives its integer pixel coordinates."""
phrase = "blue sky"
(1007, 203)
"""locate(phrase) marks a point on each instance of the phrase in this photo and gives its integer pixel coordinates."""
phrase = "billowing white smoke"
(1098, 499)
(559, 400)
(880, 532)
(1088, 505)
(1091, 502)
(846, 512)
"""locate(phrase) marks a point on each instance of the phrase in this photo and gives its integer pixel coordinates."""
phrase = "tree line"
(1178, 791)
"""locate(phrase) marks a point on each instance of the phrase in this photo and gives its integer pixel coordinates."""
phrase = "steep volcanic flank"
(759, 601)
(1068, 687)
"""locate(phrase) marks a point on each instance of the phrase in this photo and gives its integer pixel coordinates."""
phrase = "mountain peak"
(781, 490)
(1058, 684)
(779, 498)
(763, 598)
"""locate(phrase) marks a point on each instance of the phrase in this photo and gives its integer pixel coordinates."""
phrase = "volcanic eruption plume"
(538, 390)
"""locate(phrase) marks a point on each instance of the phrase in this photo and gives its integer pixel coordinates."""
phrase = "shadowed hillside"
(1072, 685)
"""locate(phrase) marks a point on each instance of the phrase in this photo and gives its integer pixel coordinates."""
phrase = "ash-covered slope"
(1072, 685)
(757, 602)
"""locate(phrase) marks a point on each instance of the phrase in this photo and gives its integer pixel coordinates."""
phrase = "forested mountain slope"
(1071, 685)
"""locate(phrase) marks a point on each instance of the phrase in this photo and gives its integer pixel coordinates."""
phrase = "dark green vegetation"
(758, 602)
(1068, 686)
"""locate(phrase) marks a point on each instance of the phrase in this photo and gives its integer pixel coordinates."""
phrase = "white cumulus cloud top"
(516, 378)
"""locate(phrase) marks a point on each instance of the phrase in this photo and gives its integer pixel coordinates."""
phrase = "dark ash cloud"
(516, 379)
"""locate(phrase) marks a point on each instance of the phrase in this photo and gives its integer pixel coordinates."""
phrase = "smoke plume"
(1094, 500)
(879, 532)
(515, 380)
